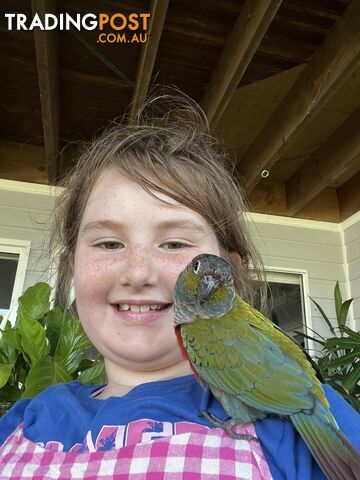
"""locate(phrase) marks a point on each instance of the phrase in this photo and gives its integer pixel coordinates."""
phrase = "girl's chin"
(138, 356)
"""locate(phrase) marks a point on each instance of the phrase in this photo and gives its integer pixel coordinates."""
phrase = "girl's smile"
(141, 312)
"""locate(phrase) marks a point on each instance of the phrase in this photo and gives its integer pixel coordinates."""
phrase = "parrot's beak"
(207, 288)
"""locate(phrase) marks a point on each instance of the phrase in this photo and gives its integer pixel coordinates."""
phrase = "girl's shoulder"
(32, 410)
(346, 417)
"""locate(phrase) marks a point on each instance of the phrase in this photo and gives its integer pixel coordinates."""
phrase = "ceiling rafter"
(332, 64)
(24, 161)
(148, 56)
(47, 66)
(240, 47)
(349, 198)
(325, 165)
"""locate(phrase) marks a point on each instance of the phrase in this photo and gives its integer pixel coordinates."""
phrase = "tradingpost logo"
(115, 28)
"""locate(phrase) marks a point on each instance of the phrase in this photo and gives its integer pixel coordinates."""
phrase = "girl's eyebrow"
(179, 224)
(184, 224)
(100, 224)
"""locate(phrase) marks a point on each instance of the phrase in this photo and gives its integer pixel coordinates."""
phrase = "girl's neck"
(120, 380)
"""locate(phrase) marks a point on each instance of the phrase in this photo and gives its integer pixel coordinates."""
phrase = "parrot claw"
(228, 426)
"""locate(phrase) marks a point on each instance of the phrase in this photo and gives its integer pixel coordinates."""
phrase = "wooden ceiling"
(278, 80)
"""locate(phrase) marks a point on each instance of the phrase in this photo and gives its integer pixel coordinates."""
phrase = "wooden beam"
(324, 166)
(22, 162)
(240, 47)
(269, 197)
(332, 64)
(148, 56)
(47, 66)
(93, 80)
(97, 54)
(349, 198)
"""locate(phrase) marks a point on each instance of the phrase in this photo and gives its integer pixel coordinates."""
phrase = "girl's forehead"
(114, 183)
(115, 193)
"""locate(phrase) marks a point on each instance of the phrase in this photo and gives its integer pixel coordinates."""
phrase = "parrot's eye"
(196, 266)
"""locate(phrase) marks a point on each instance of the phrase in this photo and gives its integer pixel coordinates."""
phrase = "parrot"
(252, 367)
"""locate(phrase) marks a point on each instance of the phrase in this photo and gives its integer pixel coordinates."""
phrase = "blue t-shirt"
(66, 417)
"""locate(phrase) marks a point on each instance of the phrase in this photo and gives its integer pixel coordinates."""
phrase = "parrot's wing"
(314, 365)
(249, 358)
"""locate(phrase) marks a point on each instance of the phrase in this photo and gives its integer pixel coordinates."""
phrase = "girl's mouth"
(141, 314)
(125, 307)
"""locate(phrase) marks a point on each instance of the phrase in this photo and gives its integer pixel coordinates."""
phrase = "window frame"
(304, 287)
(21, 248)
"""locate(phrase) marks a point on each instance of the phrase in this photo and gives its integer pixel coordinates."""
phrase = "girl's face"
(130, 250)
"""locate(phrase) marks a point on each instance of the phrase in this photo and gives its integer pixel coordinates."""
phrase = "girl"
(141, 203)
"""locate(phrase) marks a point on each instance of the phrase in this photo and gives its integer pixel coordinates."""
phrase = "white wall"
(351, 238)
(25, 214)
(310, 246)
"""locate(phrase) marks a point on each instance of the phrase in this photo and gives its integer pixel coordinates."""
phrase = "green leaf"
(338, 301)
(321, 342)
(351, 333)
(46, 372)
(94, 374)
(344, 343)
(9, 344)
(71, 339)
(10, 393)
(324, 316)
(85, 364)
(32, 334)
(35, 302)
(54, 322)
(352, 378)
(343, 361)
(5, 372)
(344, 309)
(11, 337)
(74, 360)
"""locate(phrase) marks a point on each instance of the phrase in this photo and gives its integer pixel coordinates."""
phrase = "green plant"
(44, 347)
(339, 360)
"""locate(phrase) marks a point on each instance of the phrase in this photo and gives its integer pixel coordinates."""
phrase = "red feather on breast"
(183, 350)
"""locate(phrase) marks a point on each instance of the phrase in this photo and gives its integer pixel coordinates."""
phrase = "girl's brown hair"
(168, 150)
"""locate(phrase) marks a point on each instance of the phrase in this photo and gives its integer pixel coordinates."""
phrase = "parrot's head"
(204, 289)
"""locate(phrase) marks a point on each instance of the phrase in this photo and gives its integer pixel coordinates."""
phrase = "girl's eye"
(174, 245)
(110, 245)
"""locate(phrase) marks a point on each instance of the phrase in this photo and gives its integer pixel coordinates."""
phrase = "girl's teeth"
(139, 308)
(144, 308)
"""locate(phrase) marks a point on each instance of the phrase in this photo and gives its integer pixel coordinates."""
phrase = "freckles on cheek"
(177, 264)
(91, 277)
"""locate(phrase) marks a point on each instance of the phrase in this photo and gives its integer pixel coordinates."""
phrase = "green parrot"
(252, 367)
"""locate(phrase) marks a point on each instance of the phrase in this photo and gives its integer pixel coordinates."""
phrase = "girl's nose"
(140, 267)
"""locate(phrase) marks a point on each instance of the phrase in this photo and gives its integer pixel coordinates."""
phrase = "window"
(287, 302)
(14, 256)
(8, 267)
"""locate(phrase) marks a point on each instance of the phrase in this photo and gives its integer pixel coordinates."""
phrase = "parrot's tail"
(333, 452)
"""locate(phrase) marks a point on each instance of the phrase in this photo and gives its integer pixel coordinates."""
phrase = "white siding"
(352, 248)
(305, 246)
(26, 215)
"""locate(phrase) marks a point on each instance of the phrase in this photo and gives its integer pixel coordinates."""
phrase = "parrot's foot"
(228, 426)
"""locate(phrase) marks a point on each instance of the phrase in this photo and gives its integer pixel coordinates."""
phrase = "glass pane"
(8, 266)
(287, 308)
